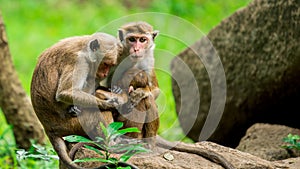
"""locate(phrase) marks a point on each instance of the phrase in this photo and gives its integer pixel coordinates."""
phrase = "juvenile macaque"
(67, 74)
(136, 77)
(137, 39)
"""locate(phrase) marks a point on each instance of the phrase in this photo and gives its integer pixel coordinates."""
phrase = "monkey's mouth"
(134, 56)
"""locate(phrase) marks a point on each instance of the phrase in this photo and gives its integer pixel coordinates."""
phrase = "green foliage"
(34, 25)
(293, 142)
(45, 155)
(7, 148)
(111, 133)
(11, 157)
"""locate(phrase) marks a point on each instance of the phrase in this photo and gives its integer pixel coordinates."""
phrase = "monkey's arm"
(81, 98)
(106, 95)
(70, 91)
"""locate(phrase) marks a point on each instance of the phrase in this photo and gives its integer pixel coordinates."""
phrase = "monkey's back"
(50, 66)
(54, 62)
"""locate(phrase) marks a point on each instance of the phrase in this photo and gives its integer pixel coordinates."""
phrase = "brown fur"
(144, 115)
(56, 85)
(139, 74)
(145, 101)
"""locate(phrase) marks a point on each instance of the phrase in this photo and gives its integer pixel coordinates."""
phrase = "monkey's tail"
(208, 154)
(60, 147)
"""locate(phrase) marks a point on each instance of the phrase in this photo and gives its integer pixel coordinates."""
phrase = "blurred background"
(34, 25)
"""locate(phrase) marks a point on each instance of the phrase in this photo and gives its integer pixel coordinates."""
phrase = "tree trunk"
(14, 102)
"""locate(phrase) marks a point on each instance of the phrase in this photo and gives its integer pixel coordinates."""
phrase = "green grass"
(34, 25)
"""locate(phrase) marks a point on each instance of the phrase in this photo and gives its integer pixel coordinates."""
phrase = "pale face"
(138, 44)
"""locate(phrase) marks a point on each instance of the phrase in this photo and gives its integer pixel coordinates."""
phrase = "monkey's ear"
(121, 35)
(154, 34)
(93, 46)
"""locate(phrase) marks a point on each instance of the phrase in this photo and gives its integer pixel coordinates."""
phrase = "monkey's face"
(104, 68)
(138, 45)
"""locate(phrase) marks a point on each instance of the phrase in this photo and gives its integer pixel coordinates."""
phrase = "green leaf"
(128, 167)
(113, 160)
(75, 138)
(131, 151)
(129, 130)
(293, 141)
(99, 139)
(114, 127)
(94, 149)
(104, 130)
(124, 158)
(124, 131)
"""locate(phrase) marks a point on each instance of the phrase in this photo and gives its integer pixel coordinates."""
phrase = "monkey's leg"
(152, 122)
(90, 119)
(135, 118)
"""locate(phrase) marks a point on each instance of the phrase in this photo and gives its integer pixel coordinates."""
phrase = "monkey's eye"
(142, 39)
(131, 39)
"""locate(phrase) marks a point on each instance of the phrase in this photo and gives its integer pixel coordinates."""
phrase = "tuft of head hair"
(137, 27)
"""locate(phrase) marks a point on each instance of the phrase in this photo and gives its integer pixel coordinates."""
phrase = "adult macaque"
(67, 74)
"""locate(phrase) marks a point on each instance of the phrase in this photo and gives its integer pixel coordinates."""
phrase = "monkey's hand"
(74, 110)
(137, 95)
(107, 104)
(112, 98)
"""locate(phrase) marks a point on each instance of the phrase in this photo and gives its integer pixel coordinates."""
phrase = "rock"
(258, 47)
(265, 141)
(292, 163)
(238, 159)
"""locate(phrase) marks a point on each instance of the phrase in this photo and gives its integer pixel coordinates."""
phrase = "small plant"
(36, 151)
(293, 142)
(106, 144)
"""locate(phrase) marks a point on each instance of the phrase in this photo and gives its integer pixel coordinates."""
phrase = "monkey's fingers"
(116, 90)
(74, 110)
(114, 101)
